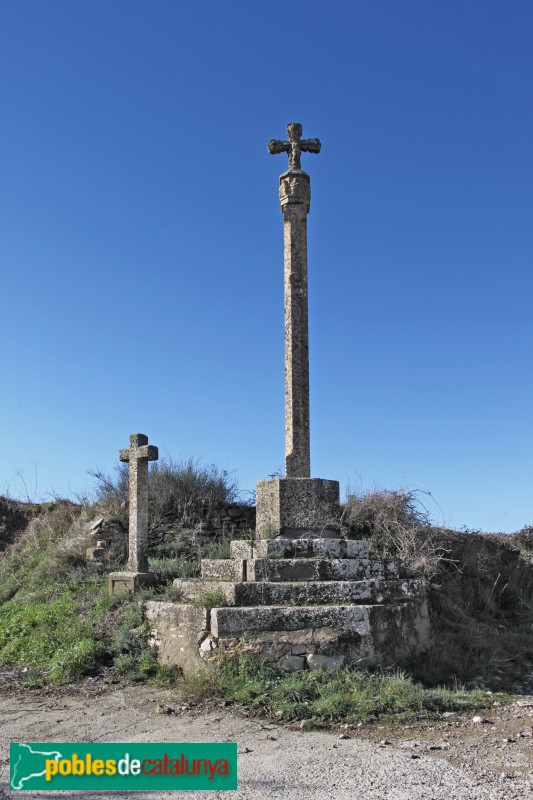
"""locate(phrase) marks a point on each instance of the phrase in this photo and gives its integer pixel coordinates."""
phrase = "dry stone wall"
(235, 521)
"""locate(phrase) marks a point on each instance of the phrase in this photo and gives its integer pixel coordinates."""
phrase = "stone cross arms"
(295, 146)
(139, 448)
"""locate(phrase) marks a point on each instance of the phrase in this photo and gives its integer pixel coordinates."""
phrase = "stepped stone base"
(294, 603)
(293, 638)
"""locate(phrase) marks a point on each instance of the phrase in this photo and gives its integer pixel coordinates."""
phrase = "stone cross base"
(128, 582)
(294, 508)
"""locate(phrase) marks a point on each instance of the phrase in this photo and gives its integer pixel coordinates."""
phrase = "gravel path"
(456, 759)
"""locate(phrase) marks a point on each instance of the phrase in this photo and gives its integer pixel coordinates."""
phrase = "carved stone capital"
(295, 187)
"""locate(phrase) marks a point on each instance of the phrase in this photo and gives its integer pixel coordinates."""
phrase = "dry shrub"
(481, 604)
(523, 541)
(397, 526)
(480, 588)
(14, 517)
(50, 547)
(178, 491)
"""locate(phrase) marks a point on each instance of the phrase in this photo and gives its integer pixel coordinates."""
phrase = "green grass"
(57, 619)
(215, 598)
(323, 698)
(58, 622)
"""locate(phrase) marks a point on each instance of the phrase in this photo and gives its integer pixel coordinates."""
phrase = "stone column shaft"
(297, 441)
(295, 200)
(138, 526)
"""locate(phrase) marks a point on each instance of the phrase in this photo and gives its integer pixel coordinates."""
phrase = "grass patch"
(58, 622)
(215, 598)
(323, 698)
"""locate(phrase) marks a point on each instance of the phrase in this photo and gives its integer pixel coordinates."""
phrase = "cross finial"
(139, 449)
(295, 146)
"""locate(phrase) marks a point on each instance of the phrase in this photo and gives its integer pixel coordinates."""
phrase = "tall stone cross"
(295, 199)
(138, 454)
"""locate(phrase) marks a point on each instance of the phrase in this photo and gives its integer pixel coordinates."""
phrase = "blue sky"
(141, 241)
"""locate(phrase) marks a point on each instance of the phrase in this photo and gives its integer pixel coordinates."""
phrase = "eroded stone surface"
(232, 621)
(223, 569)
(295, 145)
(315, 661)
(129, 582)
(365, 635)
(319, 569)
(178, 630)
(293, 508)
(309, 548)
(302, 593)
(292, 663)
(137, 456)
(240, 548)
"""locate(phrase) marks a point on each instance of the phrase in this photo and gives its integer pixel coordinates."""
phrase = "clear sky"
(141, 238)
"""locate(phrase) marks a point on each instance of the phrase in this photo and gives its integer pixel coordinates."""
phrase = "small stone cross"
(295, 146)
(138, 454)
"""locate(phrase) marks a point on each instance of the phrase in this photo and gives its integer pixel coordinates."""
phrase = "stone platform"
(296, 603)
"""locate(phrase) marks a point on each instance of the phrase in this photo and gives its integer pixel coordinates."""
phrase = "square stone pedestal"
(128, 582)
(295, 508)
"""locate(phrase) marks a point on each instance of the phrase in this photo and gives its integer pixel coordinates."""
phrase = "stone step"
(305, 637)
(279, 593)
(223, 569)
(345, 620)
(299, 548)
(296, 569)
(318, 569)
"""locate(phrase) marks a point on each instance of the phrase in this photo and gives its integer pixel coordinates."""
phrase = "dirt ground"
(456, 758)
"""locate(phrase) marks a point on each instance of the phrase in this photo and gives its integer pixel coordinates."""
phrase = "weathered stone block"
(315, 661)
(178, 631)
(299, 649)
(128, 582)
(240, 548)
(317, 569)
(96, 553)
(191, 589)
(305, 593)
(292, 663)
(297, 507)
(233, 621)
(400, 631)
(223, 569)
(309, 548)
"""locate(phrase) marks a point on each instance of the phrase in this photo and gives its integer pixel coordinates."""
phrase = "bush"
(397, 526)
(480, 591)
(178, 490)
(523, 540)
